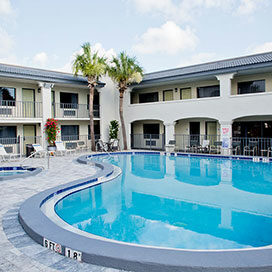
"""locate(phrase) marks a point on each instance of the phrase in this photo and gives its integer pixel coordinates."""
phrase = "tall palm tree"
(124, 70)
(91, 66)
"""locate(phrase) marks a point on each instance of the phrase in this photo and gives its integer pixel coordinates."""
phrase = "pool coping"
(35, 171)
(111, 253)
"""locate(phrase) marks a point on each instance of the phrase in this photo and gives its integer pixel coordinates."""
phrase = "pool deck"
(17, 250)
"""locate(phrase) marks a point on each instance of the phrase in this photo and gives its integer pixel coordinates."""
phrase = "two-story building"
(29, 96)
(228, 101)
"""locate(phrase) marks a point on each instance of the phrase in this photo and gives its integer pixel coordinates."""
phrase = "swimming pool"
(13, 172)
(177, 202)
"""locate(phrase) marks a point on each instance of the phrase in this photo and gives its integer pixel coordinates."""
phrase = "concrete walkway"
(18, 252)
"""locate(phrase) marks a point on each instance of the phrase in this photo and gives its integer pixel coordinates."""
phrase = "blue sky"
(162, 34)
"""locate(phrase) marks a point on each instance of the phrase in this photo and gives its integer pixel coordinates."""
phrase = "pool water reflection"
(178, 202)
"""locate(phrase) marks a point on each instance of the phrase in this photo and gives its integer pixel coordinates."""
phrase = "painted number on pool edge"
(73, 254)
(52, 245)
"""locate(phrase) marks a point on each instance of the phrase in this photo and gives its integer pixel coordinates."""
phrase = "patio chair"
(248, 151)
(267, 151)
(114, 145)
(170, 147)
(101, 146)
(81, 146)
(236, 148)
(205, 147)
(61, 150)
(39, 151)
(7, 156)
(216, 148)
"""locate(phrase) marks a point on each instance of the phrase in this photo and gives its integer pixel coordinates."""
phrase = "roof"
(21, 72)
(216, 67)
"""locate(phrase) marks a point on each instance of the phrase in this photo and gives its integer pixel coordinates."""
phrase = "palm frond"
(89, 63)
(125, 70)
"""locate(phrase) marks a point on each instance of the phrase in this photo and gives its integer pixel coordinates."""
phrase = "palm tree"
(91, 66)
(124, 70)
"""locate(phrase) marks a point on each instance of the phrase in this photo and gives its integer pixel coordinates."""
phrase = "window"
(168, 95)
(133, 98)
(209, 91)
(95, 104)
(185, 93)
(69, 132)
(68, 100)
(148, 97)
(257, 86)
(96, 131)
(7, 96)
(151, 131)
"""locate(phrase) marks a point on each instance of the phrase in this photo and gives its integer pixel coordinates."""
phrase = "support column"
(169, 132)
(225, 84)
(108, 100)
(46, 107)
(225, 136)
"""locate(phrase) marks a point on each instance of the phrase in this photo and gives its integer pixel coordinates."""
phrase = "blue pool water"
(178, 202)
(11, 173)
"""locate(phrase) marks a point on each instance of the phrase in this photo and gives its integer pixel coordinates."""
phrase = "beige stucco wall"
(176, 89)
(19, 86)
(138, 126)
(183, 126)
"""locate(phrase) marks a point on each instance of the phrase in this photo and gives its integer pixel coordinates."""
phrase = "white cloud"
(247, 7)
(169, 39)
(261, 48)
(186, 10)
(97, 47)
(199, 58)
(6, 43)
(5, 7)
(40, 59)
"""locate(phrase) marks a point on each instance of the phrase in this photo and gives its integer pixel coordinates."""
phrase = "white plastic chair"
(5, 156)
(39, 151)
(60, 149)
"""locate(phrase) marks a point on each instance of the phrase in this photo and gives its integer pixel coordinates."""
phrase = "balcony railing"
(73, 110)
(195, 143)
(20, 109)
(147, 141)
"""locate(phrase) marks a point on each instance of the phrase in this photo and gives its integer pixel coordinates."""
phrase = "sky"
(161, 34)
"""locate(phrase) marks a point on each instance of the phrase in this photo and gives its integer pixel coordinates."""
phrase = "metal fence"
(20, 109)
(148, 141)
(195, 143)
(77, 142)
(251, 146)
(73, 110)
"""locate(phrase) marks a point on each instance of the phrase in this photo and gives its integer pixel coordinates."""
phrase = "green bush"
(114, 128)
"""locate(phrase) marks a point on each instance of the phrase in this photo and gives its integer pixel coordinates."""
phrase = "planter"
(51, 148)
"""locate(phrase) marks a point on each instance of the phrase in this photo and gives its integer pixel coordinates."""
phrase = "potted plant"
(113, 130)
(51, 129)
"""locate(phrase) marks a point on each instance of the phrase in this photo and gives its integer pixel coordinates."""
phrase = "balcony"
(73, 110)
(20, 109)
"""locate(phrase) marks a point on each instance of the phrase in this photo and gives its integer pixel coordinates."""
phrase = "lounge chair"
(39, 151)
(61, 150)
(7, 156)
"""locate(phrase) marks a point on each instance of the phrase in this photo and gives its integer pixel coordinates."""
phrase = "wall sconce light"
(39, 90)
(176, 89)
